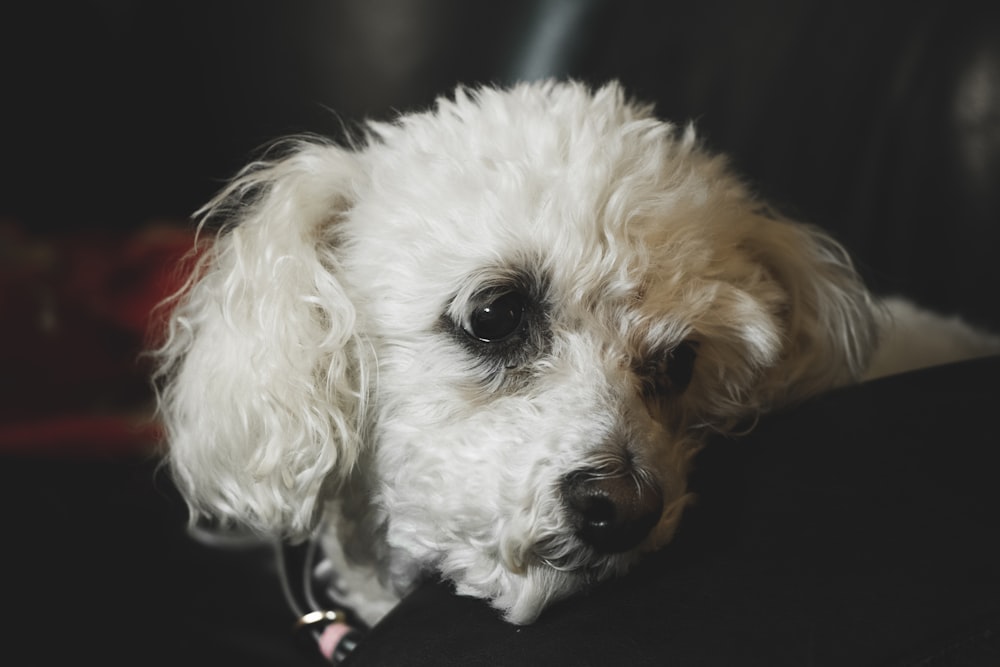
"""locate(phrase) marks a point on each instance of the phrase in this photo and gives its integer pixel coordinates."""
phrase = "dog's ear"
(828, 324)
(261, 377)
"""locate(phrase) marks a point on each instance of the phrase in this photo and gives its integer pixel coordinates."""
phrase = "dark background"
(876, 119)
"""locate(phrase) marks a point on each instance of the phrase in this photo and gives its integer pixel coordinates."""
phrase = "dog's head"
(504, 325)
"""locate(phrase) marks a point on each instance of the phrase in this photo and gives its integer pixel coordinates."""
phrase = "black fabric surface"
(97, 568)
(857, 529)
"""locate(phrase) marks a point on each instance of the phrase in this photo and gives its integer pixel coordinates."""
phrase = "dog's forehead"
(517, 122)
(577, 190)
(503, 177)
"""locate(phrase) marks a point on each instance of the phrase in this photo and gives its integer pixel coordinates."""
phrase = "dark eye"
(680, 365)
(497, 318)
(672, 372)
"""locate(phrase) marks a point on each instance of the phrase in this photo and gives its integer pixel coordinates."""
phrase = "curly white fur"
(322, 368)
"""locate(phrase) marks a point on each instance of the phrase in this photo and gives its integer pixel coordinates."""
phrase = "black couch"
(857, 529)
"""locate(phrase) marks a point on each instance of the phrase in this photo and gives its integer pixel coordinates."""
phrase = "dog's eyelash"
(504, 326)
(669, 372)
(527, 339)
(497, 317)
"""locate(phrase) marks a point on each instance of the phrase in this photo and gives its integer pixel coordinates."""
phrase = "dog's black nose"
(612, 512)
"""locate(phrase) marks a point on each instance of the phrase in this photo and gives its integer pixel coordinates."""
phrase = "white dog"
(487, 342)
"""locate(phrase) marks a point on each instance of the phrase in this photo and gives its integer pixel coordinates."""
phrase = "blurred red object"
(77, 311)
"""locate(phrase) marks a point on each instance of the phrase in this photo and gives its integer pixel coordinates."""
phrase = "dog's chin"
(529, 573)
(573, 557)
(550, 570)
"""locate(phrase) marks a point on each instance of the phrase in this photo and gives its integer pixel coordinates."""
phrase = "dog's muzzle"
(612, 512)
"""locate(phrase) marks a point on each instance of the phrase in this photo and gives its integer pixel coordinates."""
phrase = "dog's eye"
(680, 367)
(497, 318)
(672, 372)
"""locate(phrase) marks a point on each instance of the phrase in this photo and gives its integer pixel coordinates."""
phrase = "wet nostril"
(595, 509)
(612, 513)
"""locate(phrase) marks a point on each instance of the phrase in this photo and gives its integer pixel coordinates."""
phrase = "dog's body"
(487, 343)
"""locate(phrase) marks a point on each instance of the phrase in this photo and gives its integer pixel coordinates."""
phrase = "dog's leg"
(911, 338)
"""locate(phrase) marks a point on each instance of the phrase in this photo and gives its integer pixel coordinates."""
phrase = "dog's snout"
(612, 512)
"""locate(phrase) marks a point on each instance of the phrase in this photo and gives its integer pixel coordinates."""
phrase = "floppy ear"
(262, 376)
(828, 320)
